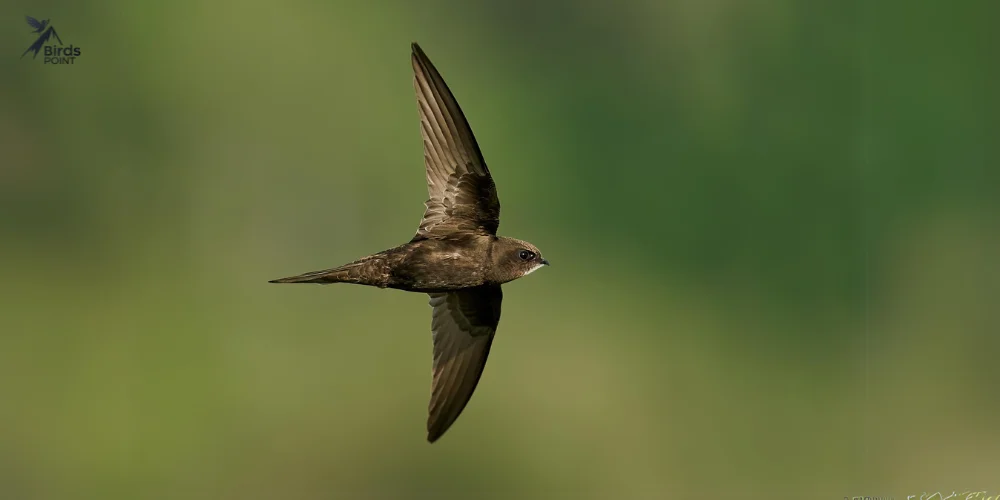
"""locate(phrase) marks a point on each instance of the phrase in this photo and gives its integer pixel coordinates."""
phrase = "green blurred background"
(773, 228)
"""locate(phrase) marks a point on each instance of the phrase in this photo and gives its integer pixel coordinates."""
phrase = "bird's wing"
(462, 194)
(34, 23)
(463, 323)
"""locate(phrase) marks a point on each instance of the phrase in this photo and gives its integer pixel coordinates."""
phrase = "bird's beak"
(545, 262)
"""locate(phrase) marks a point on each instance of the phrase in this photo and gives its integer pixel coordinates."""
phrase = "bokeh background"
(773, 228)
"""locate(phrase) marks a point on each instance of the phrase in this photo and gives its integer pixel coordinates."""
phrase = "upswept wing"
(463, 196)
(34, 23)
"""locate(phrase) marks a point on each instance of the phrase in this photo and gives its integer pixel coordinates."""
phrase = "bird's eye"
(526, 255)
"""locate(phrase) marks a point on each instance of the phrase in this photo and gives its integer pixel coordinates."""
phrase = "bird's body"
(427, 266)
(456, 256)
(35, 23)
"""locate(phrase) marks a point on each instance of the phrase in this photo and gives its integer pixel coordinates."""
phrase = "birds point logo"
(54, 54)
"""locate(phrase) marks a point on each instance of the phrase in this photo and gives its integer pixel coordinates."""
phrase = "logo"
(965, 495)
(54, 54)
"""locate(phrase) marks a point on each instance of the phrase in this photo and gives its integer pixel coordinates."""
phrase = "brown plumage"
(456, 256)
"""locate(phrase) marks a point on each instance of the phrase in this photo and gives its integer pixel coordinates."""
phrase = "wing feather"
(464, 323)
(461, 191)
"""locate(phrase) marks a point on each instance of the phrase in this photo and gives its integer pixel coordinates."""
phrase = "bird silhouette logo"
(45, 30)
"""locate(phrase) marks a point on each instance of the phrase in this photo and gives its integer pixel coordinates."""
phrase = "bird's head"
(514, 258)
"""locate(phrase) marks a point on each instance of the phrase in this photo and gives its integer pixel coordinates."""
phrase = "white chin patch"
(537, 267)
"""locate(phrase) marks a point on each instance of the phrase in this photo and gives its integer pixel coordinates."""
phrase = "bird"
(43, 38)
(35, 23)
(456, 256)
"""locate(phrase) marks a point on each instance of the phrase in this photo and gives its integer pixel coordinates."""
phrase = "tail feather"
(326, 276)
(373, 270)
